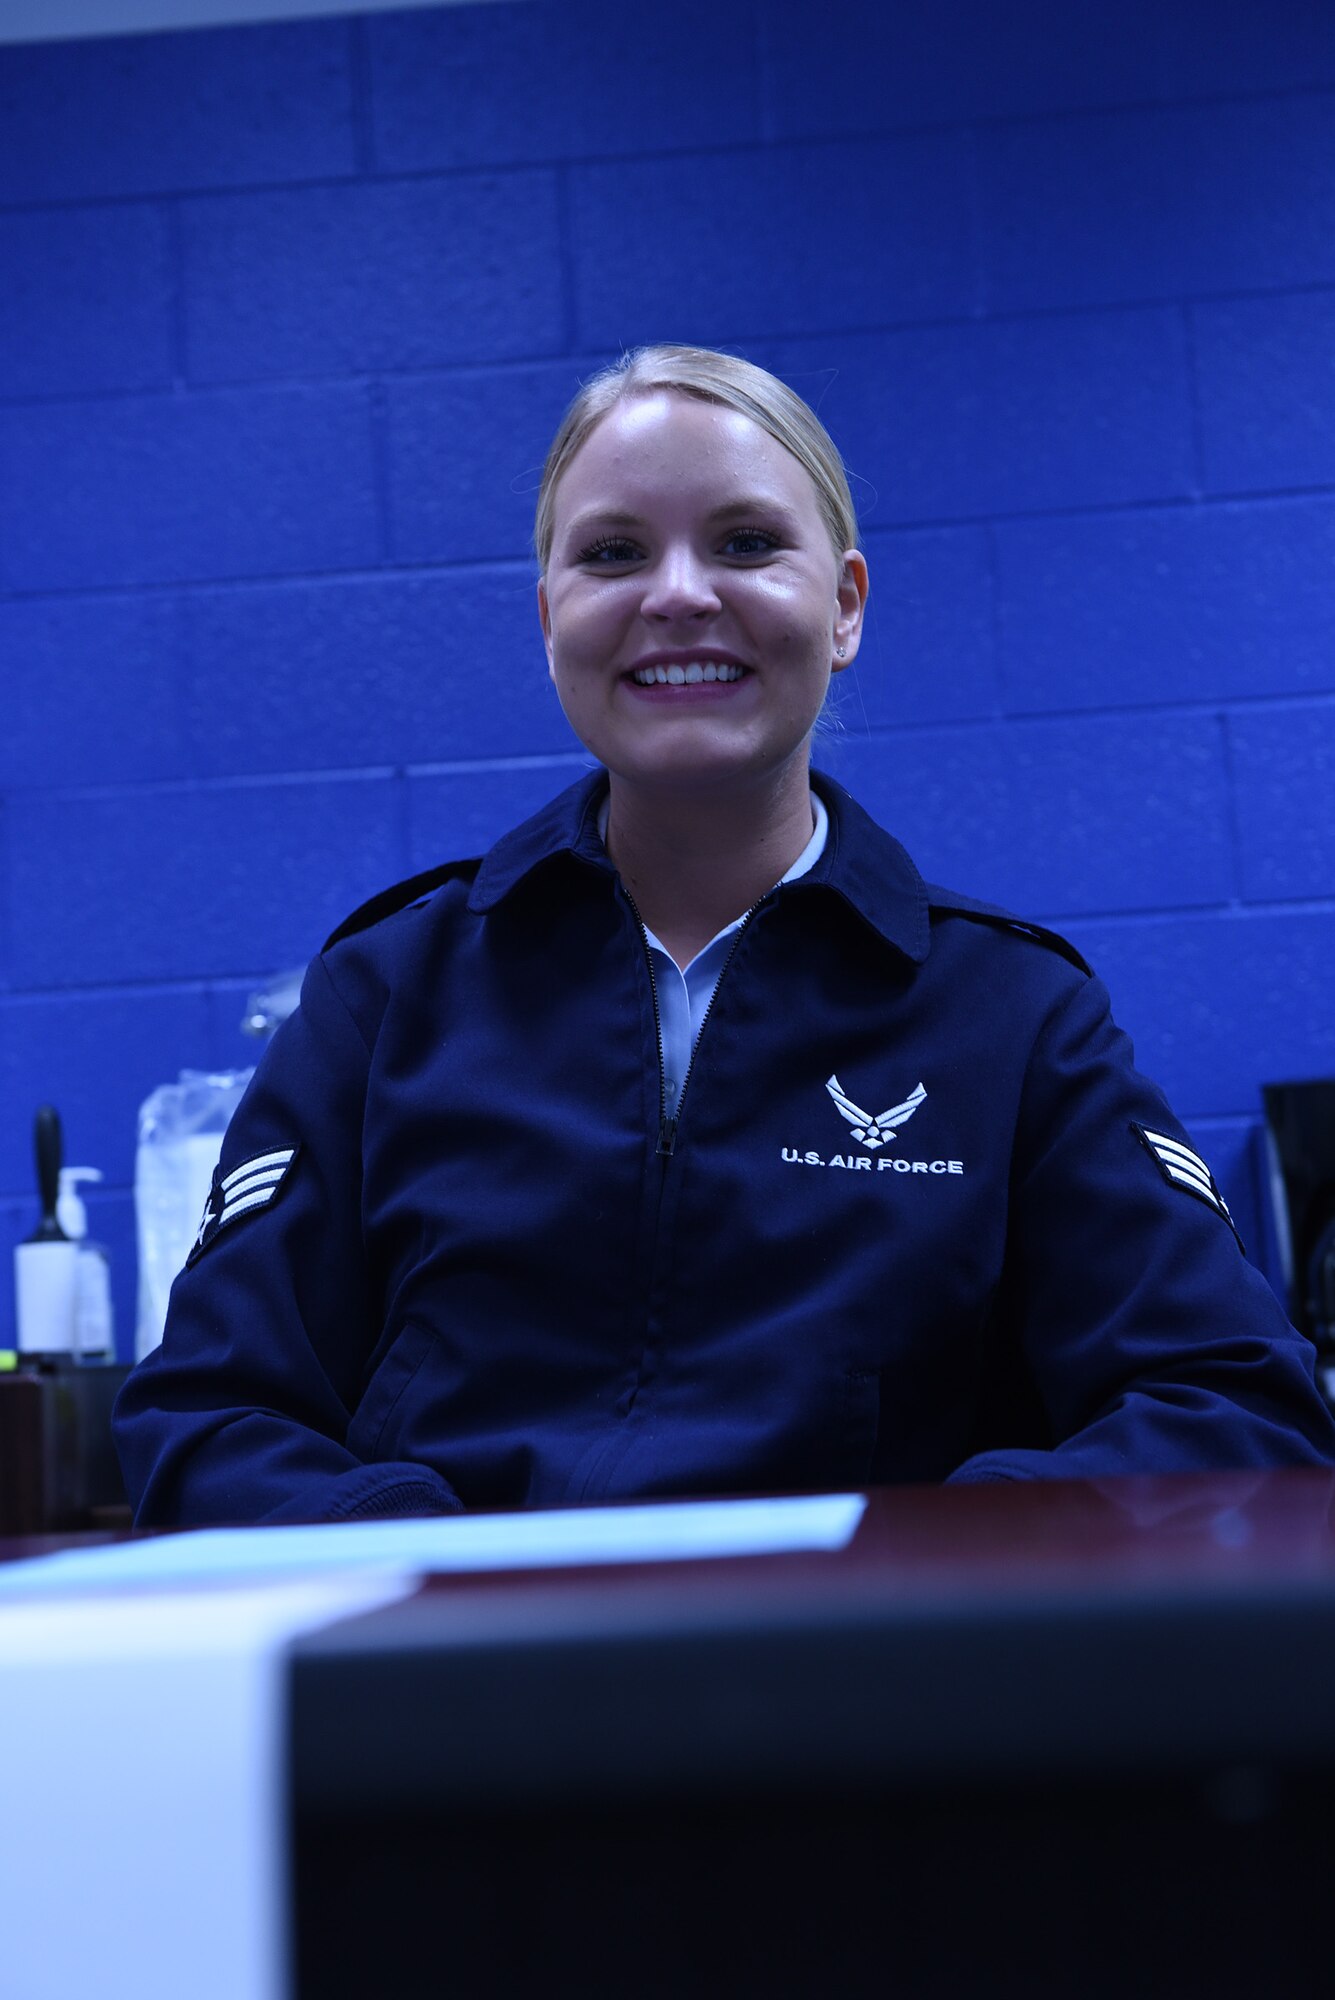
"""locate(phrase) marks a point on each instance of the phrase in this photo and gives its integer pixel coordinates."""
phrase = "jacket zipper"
(608, 1457)
(667, 1127)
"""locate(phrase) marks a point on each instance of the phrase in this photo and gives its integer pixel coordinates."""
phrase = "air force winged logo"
(875, 1129)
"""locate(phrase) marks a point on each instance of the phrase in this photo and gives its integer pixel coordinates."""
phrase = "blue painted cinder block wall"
(287, 314)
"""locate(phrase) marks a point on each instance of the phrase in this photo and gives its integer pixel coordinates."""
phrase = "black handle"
(50, 1152)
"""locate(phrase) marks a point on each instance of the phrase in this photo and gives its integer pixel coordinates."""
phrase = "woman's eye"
(750, 542)
(609, 549)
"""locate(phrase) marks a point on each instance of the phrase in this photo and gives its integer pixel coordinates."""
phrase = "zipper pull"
(667, 1137)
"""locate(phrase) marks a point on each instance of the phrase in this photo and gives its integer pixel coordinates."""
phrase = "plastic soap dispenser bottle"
(46, 1267)
(94, 1331)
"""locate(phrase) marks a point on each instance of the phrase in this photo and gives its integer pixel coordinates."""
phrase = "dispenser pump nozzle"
(70, 1211)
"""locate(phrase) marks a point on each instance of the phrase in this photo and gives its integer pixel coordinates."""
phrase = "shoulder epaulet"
(1006, 920)
(415, 890)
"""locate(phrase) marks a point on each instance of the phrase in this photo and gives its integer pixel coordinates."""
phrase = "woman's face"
(693, 606)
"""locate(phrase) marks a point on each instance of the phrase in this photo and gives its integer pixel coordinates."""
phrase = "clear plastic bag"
(181, 1128)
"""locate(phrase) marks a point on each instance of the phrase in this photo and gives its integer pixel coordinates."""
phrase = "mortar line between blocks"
(1195, 410)
(1000, 711)
(1232, 823)
(377, 415)
(766, 93)
(178, 315)
(362, 98)
(565, 257)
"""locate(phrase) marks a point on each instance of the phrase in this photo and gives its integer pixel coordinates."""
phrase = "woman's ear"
(851, 603)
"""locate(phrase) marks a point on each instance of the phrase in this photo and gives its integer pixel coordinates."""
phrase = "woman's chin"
(704, 765)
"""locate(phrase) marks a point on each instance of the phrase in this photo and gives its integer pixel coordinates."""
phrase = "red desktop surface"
(1071, 1742)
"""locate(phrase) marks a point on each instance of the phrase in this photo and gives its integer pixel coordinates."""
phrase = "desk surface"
(1065, 1713)
(1054, 1741)
(963, 1631)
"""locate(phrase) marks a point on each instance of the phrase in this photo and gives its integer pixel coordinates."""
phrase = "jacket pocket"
(385, 1392)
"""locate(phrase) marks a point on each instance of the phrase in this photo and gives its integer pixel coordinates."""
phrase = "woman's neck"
(695, 861)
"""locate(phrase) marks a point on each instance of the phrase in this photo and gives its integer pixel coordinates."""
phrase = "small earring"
(839, 651)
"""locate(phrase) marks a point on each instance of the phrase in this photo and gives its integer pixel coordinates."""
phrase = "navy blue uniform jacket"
(907, 1226)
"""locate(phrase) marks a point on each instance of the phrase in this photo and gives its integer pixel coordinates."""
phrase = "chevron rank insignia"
(1184, 1169)
(254, 1185)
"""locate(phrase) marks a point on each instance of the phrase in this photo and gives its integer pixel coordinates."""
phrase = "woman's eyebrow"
(601, 517)
(750, 503)
(730, 510)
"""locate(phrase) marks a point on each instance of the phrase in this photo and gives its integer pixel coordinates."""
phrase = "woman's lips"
(689, 694)
(683, 683)
(687, 671)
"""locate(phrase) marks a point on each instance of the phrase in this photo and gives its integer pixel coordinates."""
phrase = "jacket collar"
(872, 872)
(567, 825)
(862, 864)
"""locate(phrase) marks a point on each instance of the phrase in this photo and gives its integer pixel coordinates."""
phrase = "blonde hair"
(711, 378)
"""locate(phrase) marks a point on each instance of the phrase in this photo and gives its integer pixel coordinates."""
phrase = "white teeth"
(691, 676)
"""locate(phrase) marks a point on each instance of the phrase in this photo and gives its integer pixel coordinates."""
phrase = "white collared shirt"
(684, 996)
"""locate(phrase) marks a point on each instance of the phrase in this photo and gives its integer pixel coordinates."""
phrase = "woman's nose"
(679, 586)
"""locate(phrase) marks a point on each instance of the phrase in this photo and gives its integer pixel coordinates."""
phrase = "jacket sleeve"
(242, 1413)
(1154, 1345)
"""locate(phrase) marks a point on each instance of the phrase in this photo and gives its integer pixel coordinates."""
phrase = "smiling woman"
(587, 1192)
(694, 606)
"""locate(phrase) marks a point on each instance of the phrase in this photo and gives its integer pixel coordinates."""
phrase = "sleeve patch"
(254, 1185)
(1182, 1168)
